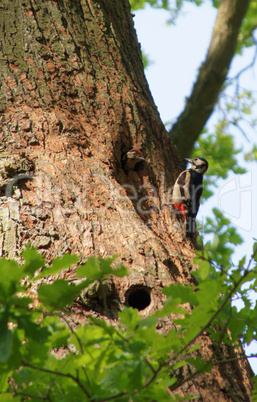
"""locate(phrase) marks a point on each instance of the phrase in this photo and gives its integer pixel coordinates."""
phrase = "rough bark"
(74, 98)
(212, 74)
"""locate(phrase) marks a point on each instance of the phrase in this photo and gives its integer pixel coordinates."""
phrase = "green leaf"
(103, 324)
(91, 269)
(58, 264)
(34, 261)
(6, 397)
(10, 274)
(236, 327)
(4, 377)
(135, 376)
(200, 364)
(105, 264)
(180, 364)
(6, 340)
(242, 262)
(130, 317)
(115, 380)
(96, 269)
(31, 329)
(59, 294)
(181, 292)
(203, 270)
(255, 251)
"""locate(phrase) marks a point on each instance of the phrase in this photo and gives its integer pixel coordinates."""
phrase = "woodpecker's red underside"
(181, 208)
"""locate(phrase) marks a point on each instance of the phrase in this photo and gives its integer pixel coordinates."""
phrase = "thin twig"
(224, 330)
(149, 365)
(115, 396)
(86, 375)
(250, 65)
(58, 373)
(42, 398)
(74, 333)
(155, 374)
(232, 359)
(177, 385)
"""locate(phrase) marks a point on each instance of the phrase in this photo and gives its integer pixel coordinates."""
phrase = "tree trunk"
(73, 100)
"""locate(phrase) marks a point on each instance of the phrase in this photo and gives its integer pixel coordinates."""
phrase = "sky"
(176, 52)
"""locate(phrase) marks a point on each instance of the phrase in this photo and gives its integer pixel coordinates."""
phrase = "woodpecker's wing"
(181, 190)
(196, 189)
(187, 193)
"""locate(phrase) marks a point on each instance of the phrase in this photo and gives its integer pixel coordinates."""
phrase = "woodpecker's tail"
(190, 227)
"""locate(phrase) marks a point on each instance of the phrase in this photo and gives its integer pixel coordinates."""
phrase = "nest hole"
(138, 297)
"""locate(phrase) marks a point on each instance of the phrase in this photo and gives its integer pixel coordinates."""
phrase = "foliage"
(128, 361)
(173, 8)
(252, 156)
(217, 144)
(165, 4)
(218, 148)
(246, 36)
(140, 4)
(146, 60)
(224, 236)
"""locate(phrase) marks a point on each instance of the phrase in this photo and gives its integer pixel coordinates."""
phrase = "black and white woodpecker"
(187, 192)
(131, 158)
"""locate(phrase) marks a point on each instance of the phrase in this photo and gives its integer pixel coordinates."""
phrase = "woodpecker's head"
(131, 158)
(200, 165)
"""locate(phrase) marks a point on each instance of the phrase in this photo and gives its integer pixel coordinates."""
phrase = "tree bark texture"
(212, 74)
(73, 99)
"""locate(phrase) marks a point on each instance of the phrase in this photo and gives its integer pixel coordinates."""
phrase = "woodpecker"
(131, 158)
(187, 192)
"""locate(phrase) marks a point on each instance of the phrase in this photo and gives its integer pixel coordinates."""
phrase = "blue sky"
(177, 52)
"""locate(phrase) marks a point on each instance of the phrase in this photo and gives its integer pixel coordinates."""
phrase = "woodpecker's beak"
(188, 160)
(140, 158)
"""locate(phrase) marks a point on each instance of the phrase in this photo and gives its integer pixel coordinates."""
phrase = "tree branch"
(59, 373)
(212, 74)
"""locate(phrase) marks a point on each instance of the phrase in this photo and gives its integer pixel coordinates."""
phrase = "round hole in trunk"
(138, 297)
